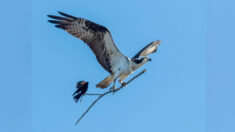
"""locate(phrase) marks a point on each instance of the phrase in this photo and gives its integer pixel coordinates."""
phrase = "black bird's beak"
(149, 59)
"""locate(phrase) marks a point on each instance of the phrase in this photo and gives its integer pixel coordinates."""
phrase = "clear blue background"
(15, 66)
(187, 87)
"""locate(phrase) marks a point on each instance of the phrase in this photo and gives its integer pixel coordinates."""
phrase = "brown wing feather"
(148, 49)
(89, 32)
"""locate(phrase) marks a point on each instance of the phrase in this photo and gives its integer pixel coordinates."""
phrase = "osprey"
(99, 39)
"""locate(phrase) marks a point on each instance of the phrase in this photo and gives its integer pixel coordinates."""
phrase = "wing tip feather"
(60, 26)
(66, 15)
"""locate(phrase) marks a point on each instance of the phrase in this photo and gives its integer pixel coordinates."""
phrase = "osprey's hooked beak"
(149, 59)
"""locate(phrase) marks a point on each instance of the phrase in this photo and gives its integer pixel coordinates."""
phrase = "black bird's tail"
(77, 97)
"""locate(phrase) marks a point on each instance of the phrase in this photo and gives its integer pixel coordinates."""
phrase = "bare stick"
(102, 95)
(92, 94)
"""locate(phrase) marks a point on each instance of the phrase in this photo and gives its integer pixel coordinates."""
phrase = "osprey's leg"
(116, 76)
(113, 88)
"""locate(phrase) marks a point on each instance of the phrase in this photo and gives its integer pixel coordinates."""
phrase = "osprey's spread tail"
(106, 82)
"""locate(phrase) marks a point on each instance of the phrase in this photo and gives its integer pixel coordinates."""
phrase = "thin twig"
(92, 94)
(102, 95)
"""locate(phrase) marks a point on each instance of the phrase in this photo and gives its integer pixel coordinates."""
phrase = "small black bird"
(82, 87)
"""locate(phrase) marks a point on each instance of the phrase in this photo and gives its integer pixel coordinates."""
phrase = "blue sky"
(187, 87)
(16, 66)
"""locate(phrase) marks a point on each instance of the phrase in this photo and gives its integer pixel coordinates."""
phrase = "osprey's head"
(141, 60)
(138, 62)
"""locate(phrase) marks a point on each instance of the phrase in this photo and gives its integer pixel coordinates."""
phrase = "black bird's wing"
(81, 90)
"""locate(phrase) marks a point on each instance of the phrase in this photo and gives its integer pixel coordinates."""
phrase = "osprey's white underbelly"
(122, 68)
(120, 65)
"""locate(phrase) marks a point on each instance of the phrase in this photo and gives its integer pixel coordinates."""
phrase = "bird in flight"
(100, 41)
(82, 87)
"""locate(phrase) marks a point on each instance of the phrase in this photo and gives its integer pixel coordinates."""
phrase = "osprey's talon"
(113, 89)
(124, 84)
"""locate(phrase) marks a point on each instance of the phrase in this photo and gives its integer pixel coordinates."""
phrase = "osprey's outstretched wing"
(97, 37)
(148, 49)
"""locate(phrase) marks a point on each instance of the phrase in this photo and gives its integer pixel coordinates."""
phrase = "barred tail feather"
(106, 82)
